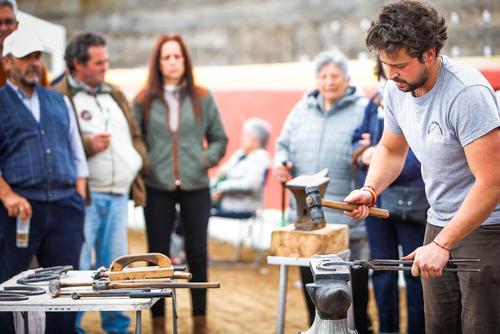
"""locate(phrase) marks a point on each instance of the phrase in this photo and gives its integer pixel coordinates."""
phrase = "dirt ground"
(246, 302)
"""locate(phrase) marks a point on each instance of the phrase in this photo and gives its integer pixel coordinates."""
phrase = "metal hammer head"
(315, 205)
(99, 286)
(54, 285)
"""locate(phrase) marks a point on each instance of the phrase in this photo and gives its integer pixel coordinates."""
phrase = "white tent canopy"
(53, 37)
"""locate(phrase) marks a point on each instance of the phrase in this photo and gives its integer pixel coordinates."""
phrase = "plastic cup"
(22, 232)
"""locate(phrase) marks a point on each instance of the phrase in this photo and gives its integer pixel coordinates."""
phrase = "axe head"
(315, 205)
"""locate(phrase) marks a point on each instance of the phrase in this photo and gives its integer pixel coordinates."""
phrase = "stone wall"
(227, 32)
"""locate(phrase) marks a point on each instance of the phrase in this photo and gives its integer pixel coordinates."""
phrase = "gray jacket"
(243, 182)
(314, 140)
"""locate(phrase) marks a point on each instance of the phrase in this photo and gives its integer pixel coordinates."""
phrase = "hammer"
(113, 293)
(100, 286)
(58, 285)
(315, 204)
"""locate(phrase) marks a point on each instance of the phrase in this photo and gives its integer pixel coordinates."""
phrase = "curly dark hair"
(78, 48)
(409, 24)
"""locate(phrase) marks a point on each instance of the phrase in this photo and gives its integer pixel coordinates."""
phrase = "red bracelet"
(441, 246)
(371, 190)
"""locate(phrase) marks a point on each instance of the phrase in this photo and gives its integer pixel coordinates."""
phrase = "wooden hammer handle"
(197, 285)
(74, 284)
(351, 207)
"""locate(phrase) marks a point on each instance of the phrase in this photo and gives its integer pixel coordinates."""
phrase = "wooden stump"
(331, 239)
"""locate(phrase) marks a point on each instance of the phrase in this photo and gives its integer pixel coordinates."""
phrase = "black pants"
(160, 217)
(359, 282)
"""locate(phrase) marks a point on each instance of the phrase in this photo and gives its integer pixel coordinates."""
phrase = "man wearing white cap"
(8, 24)
(43, 172)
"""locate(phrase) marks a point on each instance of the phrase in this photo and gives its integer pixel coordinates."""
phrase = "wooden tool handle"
(155, 258)
(163, 285)
(381, 213)
(179, 275)
(74, 284)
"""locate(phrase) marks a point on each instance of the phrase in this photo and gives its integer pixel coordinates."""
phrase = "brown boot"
(159, 325)
(200, 324)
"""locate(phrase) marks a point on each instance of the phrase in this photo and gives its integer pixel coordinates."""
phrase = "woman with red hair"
(177, 118)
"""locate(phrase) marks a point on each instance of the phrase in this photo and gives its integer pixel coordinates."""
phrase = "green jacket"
(179, 160)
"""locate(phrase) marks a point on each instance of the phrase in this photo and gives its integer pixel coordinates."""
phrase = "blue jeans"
(385, 235)
(105, 230)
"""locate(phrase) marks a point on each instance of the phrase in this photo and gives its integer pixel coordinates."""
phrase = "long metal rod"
(393, 265)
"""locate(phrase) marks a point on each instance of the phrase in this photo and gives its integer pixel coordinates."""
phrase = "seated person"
(238, 183)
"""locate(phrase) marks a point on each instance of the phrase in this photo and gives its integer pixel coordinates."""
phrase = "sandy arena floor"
(246, 303)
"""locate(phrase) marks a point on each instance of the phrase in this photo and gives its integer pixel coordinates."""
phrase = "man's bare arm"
(483, 156)
(387, 163)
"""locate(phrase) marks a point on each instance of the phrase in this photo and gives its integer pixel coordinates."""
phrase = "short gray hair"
(10, 3)
(335, 57)
(260, 130)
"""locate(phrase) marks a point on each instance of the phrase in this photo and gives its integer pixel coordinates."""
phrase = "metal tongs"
(392, 265)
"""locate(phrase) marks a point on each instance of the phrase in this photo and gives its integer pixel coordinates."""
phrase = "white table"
(47, 303)
(284, 263)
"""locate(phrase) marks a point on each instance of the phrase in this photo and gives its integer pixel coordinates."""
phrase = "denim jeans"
(105, 230)
(466, 302)
(385, 235)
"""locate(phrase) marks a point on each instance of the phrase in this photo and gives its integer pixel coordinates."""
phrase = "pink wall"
(238, 105)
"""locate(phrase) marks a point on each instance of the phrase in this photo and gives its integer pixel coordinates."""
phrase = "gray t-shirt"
(460, 108)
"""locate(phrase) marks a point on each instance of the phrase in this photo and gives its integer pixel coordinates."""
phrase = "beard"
(412, 86)
(34, 80)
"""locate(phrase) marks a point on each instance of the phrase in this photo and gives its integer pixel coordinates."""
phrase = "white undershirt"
(171, 94)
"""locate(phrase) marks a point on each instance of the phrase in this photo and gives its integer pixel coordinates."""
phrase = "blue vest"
(36, 159)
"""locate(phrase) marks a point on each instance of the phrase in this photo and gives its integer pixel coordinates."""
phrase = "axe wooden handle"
(351, 207)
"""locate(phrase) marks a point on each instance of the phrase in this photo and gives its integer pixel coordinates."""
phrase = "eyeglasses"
(8, 22)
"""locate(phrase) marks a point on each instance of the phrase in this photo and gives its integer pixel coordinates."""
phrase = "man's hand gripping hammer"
(316, 204)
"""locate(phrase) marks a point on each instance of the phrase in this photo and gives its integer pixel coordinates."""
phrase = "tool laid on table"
(99, 286)
(159, 294)
(58, 285)
(163, 268)
(315, 204)
(133, 293)
(393, 265)
(59, 293)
